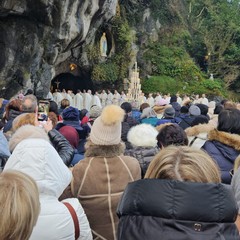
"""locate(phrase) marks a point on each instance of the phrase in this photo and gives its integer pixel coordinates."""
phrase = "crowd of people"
(99, 166)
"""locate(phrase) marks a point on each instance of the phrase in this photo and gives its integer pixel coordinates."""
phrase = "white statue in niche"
(103, 45)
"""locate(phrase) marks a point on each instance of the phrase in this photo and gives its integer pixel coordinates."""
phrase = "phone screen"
(43, 110)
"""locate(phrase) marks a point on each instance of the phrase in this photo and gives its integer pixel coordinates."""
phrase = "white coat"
(38, 158)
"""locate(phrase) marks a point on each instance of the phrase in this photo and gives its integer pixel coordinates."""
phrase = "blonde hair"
(23, 119)
(20, 207)
(184, 164)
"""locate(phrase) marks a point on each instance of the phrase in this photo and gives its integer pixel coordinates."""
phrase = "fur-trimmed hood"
(25, 132)
(93, 150)
(232, 140)
(199, 129)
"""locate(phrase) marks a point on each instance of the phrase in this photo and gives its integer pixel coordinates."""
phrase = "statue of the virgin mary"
(103, 45)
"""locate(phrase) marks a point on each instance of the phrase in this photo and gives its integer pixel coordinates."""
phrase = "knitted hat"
(106, 129)
(169, 112)
(95, 111)
(70, 114)
(71, 134)
(194, 110)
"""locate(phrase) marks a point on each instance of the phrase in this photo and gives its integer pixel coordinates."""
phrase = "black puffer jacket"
(152, 209)
(62, 146)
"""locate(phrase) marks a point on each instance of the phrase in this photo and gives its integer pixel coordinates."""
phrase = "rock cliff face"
(37, 35)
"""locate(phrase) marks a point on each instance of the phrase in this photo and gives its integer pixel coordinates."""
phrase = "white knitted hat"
(106, 129)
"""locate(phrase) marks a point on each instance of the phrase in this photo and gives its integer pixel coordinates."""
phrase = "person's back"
(100, 178)
(178, 199)
(38, 158)
(143, 144)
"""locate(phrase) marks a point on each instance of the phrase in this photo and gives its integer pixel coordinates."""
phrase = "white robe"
(69, 98)
(88, 101)
(150, 101)
(109, 98)
(104, 99)
(96, 101)
(78, 101)
(57, 97)
(116, 98)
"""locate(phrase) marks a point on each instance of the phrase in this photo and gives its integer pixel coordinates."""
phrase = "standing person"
(109, 97)
(104, 98)
(223, 143)
(78, 100)
(96, 100)
(57, 97)
(123, 98)
(116, 98)
(179, 99)
(178, 199)
(88, 100)
(19, 205)
(38, 158)
(150, 100)
(204, 100)
(100, 178)
(157, 98)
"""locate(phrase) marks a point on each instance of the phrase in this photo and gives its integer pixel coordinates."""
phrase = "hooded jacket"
(224, 148)
(99, 181)
(153, 209)
(38, 158)
(198, 135)
(4, 151)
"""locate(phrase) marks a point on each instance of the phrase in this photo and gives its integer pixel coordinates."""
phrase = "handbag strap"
(75, 219)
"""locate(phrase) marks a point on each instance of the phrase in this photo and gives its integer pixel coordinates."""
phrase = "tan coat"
(99, 181)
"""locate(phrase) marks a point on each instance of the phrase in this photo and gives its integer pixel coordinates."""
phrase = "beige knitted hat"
(106, 129)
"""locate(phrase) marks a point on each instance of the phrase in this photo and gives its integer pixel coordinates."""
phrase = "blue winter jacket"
(224, 148)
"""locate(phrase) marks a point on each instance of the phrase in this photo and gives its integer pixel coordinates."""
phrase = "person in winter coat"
(143, 144)
(4, 151)
(236, 187)
(223, 143)
(197, 134)
(35, 156)
(175, 105)
(181, 197)
(168, 117)
(12, 110)
(100, 178)
(19, 204)
(186, 119)
(171, 134)
(149, 116)
(60, 143)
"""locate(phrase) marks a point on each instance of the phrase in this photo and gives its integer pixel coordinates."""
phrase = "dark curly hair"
(171, 134)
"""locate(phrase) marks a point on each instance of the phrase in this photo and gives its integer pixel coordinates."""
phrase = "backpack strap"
(191, 143)
(75, 219)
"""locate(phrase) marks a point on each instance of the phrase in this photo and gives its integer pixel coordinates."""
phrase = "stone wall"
(38, 35)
